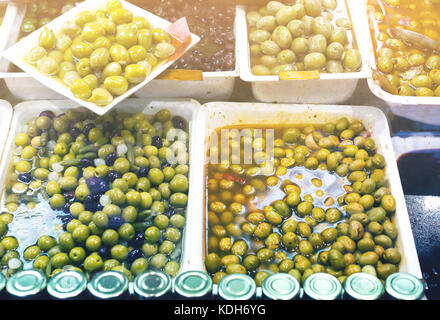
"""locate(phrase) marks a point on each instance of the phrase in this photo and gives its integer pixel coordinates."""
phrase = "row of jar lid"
(72, 284)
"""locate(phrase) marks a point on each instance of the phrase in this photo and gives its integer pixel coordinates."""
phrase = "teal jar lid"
(237, 287)
(108, 284)
(322, 286)
(67, 284)
(364, 286)
(193, 284)
(26, 283)
(280, 286)
(404, 286)
(152, 284)
(2, 281)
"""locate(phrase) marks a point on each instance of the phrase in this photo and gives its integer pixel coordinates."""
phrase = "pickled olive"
(116, 85)
(81, 89)
(164, 50)
(35, 54)
(112, 69)
(81, 50)
(135, 73)
(314, 61)
(92, 31)
(101, 97)
(119, 54)
(352, 60)
(47, 39)
(99, 58)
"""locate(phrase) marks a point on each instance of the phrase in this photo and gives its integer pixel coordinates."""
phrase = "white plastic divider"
(422, 109)
(214, 86)
(17, 53)
(329, 88)
(6, 113)
(185, 108)
(219, 114)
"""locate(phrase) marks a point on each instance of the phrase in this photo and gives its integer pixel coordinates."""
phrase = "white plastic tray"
(423, 109)
(218, 114)
(187, 109)
(17, 53)
(329, 88)
(215, 86)
(6, 112)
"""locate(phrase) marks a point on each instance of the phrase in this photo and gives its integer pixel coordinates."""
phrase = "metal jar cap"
(322, 286)
(280, 286)
(67, 284)
(193, 284)
(404, 286)
(237, 287)
(152, 284)
(364, 286)
(26, 283)
(108, 284)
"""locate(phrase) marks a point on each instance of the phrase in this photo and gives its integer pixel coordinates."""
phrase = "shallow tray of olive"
(335, 207)
(33, 54)
(95, 192)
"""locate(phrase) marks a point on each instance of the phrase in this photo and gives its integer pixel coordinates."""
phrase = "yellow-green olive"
(99, 58)
(48, 66)
(116, 85)
(102, 42)
(137, 53)
(101, 97)
(352, 60)
(135, 73)
(35, 54)
(314, 61)
(92, 31)
(119, 54)
(83, 67)
(121, 16)
(81, 89)
(112, 69)
(164, 50)
(47, 39)
(91, 80)
(145, 38)
(282, 36)
(84, 17)
(81, 49)
(126, 37)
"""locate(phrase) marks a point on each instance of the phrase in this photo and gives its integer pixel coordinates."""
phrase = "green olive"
(314, 61)
(164, 50)
(135, 73)
(116, 85)
(81, 89)
(352, 60)
(99, 58)
(47, 39)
